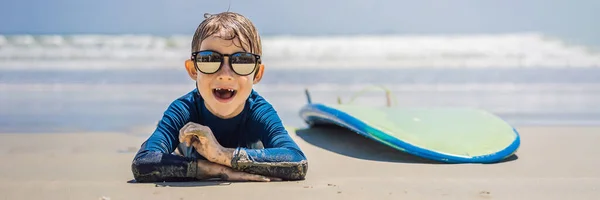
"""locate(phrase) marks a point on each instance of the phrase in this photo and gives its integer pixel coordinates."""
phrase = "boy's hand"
(229, 174)
(209, 169)
(202, 138)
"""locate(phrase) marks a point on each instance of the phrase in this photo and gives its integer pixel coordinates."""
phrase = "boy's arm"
(154, 161)
(281, 156)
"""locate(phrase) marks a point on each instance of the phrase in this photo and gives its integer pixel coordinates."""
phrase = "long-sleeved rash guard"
(258, 122)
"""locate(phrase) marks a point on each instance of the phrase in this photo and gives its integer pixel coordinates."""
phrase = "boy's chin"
(223, 110)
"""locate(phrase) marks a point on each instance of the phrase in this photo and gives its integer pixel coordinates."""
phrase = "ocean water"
(81, 52)
(122, 82)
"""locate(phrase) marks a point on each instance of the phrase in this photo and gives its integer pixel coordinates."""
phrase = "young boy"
(223, 119)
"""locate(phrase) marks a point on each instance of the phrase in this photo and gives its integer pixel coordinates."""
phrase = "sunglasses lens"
(208, 62)
(243, 63)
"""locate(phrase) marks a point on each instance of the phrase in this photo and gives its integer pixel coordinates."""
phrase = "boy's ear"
(191, 69)
(259, 73)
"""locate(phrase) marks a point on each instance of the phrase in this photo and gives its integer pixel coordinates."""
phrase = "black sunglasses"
(209, 62)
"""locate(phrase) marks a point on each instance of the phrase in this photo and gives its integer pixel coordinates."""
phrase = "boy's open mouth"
(224, 95)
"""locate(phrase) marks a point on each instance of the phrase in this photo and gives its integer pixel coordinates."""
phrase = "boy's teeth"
(230, 90)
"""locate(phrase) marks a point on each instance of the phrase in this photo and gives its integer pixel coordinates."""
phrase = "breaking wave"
(368, 51)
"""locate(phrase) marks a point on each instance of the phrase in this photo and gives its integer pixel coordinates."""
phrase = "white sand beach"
(553, 163)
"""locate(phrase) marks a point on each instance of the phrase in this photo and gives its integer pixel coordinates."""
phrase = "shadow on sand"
(345, 142)
(186, 183)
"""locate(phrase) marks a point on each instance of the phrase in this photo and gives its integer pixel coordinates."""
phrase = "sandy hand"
(203, 140)
(207, 169)
(229, 174)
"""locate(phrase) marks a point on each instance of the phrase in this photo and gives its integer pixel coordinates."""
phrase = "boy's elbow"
(143, 167)
(298, 171)
(136, 168)
(298, 167)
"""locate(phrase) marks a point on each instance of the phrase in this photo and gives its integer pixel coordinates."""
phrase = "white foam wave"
(377, 51)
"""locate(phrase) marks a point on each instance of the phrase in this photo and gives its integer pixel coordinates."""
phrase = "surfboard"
(450, 135)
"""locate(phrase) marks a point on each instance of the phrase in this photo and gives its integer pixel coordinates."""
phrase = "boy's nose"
(225, 78)
(225, 74)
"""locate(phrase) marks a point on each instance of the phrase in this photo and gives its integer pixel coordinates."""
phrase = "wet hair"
(228, 26)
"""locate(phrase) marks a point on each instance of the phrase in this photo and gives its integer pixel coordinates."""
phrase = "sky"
(575, 20)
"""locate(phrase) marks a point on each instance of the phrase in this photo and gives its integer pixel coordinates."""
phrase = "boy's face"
(224, 92)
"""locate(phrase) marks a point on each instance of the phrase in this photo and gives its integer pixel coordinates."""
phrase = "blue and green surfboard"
(450, 135)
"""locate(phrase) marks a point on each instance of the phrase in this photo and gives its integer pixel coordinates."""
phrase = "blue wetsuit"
(257, 123)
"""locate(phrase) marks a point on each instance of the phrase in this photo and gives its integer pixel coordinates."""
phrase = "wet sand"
(553, 163)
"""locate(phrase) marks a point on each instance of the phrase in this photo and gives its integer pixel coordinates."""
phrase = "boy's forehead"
(223, 43)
